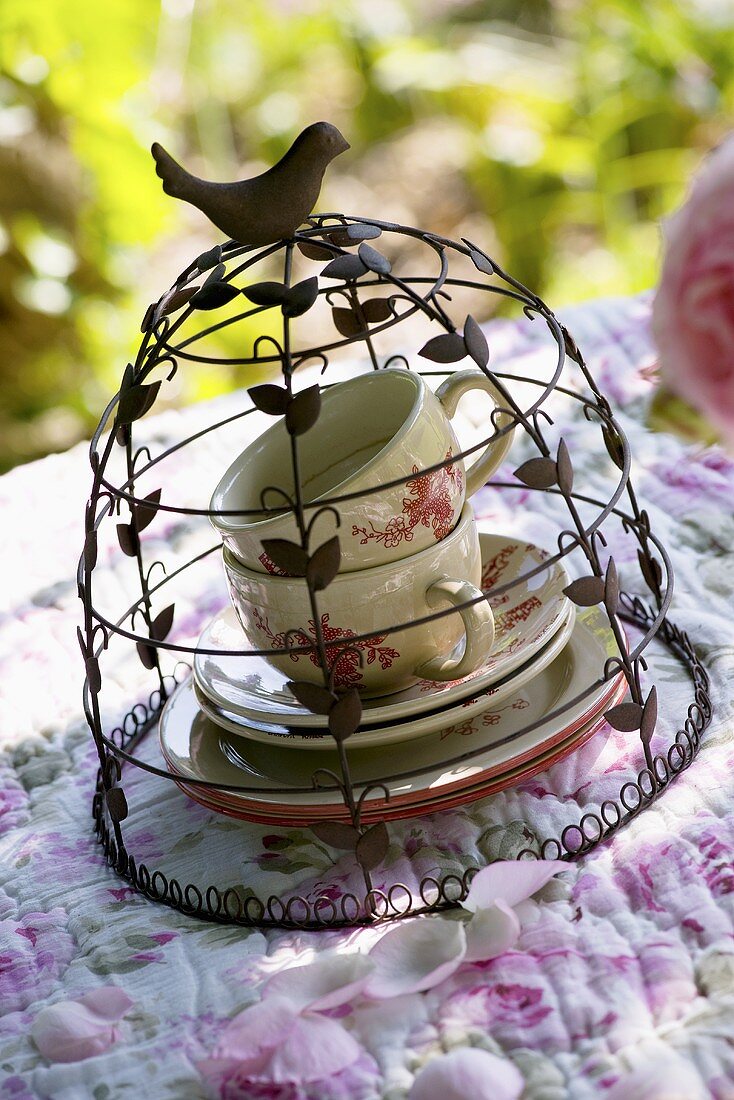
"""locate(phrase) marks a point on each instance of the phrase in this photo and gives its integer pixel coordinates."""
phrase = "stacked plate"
(538, 696)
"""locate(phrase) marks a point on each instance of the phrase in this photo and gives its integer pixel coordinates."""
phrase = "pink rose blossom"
(693, 310)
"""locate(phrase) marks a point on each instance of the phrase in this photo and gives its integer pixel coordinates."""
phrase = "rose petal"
(109, 1002)
(491, 931)
(257, 1030)
(511, 880)
(468, 1072)
(666, 1076)
(415, 956)
(329, 981)
(69, 1032)
(316, 1047)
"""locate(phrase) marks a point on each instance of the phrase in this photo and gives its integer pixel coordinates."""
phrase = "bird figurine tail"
(170, 171)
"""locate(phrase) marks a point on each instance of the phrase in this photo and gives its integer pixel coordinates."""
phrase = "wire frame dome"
(265, 302)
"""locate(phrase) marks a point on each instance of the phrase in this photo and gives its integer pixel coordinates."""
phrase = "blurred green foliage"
(557, 133)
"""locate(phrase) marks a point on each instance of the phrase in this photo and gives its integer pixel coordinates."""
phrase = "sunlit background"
(556, 133)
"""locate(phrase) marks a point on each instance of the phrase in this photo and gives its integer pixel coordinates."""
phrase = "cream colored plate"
(195, 748)
(526, 617)
(402, 730)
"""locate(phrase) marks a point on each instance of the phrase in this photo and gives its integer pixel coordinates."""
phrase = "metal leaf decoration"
(323, 565)
(161, 625)
(210, 258)
(266, 294)
(269, 398)
(90, 550)
(447, 348)
(317, 699)
(301, 297)
(377, 309)
(314, 250)
(175, 301)
(82, 642)
(336, 833)
(128, 539)
(372, 846)
(564, 468)
(613, 444)
(136, 401)
(537, 473)
(481, 262)
(476, 342)
(625, 717)
(147, 654)
(586, 591)
(148, 316)
(287, 555)
(374, 260)
(344, 267)
(611, 589)
(93, 675)
(145, 512)
(214, 295)
(215, 275)
(649, 716)
(651, 570)
(345, 715)
(350, 234)
(116, 803)
(303, 410)
(572, 350)
(346, 321)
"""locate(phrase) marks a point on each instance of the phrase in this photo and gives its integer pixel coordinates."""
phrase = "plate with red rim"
(382, 811)
(563, 699)
(402, 729)
(526, 618)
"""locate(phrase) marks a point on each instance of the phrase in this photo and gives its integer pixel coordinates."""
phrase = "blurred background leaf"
(556, 133)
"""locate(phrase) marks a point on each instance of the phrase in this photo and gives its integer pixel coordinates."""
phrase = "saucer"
(504, 777)
(404, 729)
(526, 617)
(564, 698)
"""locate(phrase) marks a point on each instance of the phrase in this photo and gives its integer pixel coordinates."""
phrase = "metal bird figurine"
(265, 208)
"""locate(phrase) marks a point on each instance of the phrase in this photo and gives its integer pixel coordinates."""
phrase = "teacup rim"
(233, 563)
(230, 524)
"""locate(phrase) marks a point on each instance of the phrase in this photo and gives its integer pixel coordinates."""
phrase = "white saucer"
(404, 729)
(195, 748)
(526, 617)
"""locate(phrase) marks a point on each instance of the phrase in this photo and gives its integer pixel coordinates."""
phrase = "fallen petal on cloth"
(70, 1031)
(465, 1073)
(328, 982)
(251, 1036)
(510, 880)
(415, 956)
(316, 1048)
(491, 931)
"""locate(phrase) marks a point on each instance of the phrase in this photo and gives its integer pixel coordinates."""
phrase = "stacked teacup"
(408, 540)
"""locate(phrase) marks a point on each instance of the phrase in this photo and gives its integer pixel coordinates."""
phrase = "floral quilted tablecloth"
(621, 980)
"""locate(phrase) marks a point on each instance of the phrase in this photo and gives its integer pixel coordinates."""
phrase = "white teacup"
(368, 601)
(372, 429)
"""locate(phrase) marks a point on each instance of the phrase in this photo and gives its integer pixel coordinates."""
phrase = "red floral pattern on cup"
(431, 503)
(270, 567)
(344, 659)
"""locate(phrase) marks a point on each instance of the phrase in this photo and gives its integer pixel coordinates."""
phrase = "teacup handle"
(449, 393)
(478, 624)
